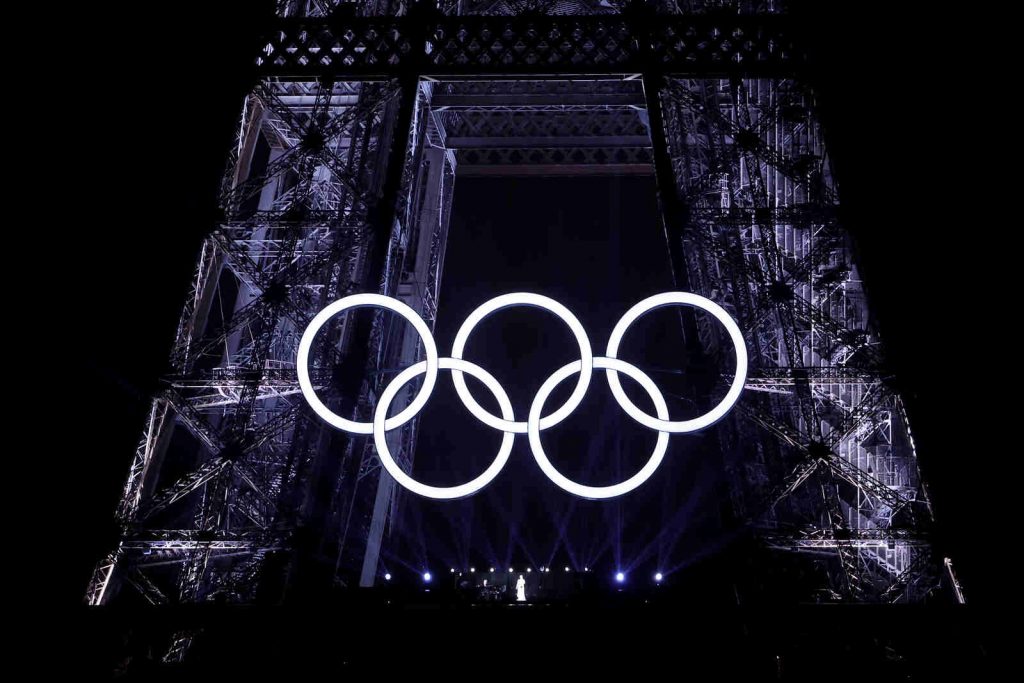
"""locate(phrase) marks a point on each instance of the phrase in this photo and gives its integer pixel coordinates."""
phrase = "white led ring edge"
(583, 490)
(364, 301)
(735, 389)
(441, 492)
(537, 301)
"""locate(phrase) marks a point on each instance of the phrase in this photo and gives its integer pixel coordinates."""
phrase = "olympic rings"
(379, 427)
(523, 299)
(720, 314)
(535, 422)
(363, 301)
(597, 492)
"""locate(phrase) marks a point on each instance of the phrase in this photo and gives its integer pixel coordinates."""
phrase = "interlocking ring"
(535, 422)
(684, 299)
(523, 299)
(364, 301)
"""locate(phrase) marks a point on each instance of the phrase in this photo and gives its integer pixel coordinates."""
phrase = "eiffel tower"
(340, 180)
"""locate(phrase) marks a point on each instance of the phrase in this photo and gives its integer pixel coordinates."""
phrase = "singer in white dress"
(521, 589)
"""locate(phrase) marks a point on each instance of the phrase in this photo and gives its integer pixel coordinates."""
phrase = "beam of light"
(583, 490)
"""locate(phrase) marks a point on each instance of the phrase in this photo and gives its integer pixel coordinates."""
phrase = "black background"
(140, 146)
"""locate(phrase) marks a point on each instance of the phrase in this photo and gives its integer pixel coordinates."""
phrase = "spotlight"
(387, 577)
(658, 577)
(427, 577)
(510, 570)
(472, 570)
(548, 570)
(453, 570)
(620, 577)
(529, 569)
(566, 569)
(586, 569)
(492, 570)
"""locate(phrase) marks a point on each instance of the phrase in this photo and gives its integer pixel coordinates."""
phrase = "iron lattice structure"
(341, 179)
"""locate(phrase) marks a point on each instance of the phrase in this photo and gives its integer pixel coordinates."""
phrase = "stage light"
(586, 569)
(529, 569)
(620, 577)
(387, 577)
(472, 570)
(658, 577)
(427, 577)
(510, 570)
(566, 569)
(548, 570)
(492, 570)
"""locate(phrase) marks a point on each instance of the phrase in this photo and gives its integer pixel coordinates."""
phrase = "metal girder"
(313, 138)
(532, 101)
(763, 239)
(815, 454)
(554, 169)
(827, 539)
(425, 42)
(750, 218)
(145, 586)
(512, 142)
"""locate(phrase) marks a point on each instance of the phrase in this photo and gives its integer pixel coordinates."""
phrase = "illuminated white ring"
(363, 301)
(685, 299)
(582, 490)
(538, 301)
(380, 426)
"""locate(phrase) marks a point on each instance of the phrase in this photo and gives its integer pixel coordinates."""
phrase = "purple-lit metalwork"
(340, 181)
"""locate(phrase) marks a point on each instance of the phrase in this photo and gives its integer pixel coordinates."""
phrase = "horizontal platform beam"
(554, 169)
(435, 45)
(508, 101)
(547, 142)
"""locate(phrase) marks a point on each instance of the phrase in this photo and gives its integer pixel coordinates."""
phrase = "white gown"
(521, 590)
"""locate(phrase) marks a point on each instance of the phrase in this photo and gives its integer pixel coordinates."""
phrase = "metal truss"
(820, 445)
(340, 179)
(524, 37)
(319, 179)
(581, 126)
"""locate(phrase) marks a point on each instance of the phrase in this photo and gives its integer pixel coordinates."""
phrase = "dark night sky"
(146, 148)
(595, 245)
